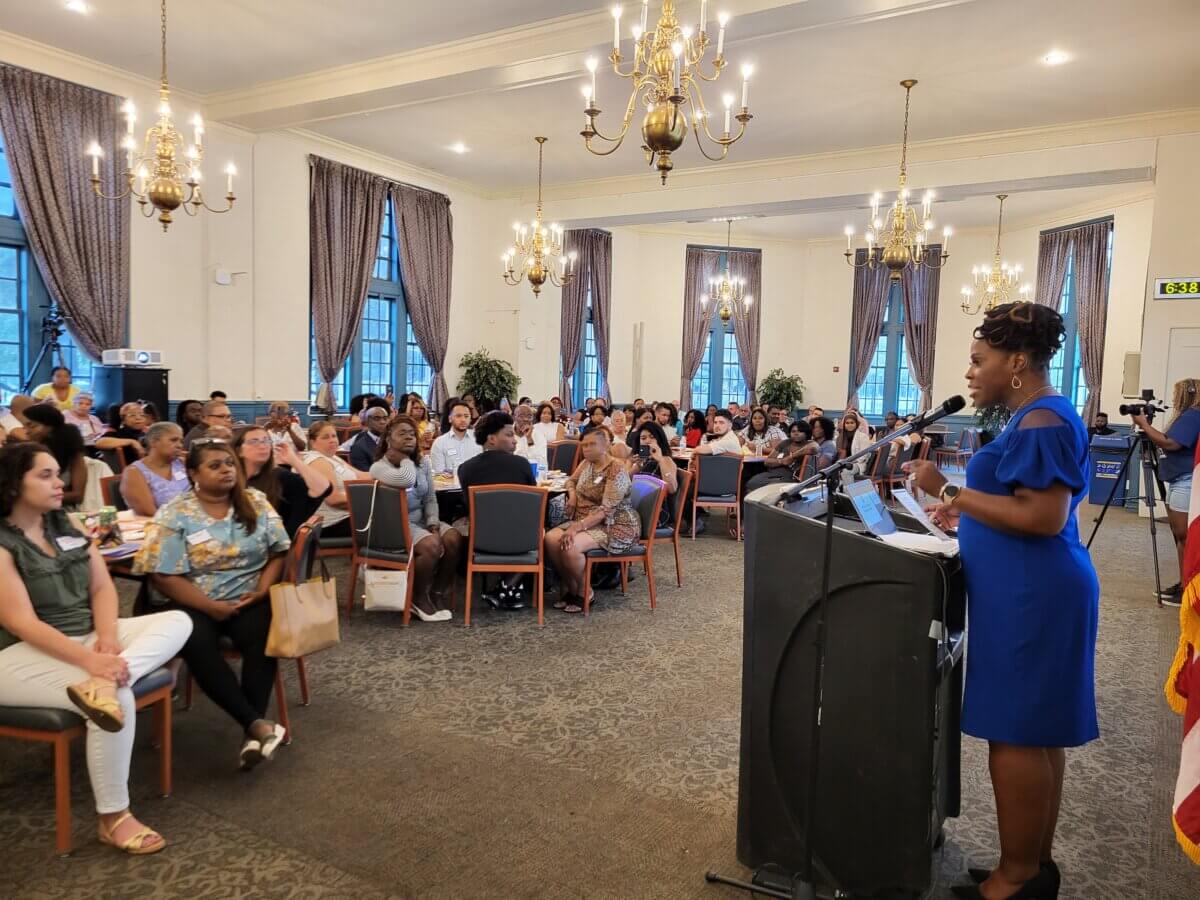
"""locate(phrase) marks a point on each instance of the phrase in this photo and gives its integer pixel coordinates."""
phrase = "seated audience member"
(13, 421)
(694, 428)
(530, 444)
(547, 427)
(219, 395)
(497, 461)
(624, 449)
(58, 391)
(282, 427)
(364, 444)
(778, 416)
(710, 412)
(597, 416)
(668, 421)
(129, 434)
(419, 413)
(214, 552)
(216, 415)
(786, 459)
(189, 414)
(358, 403)
(577, 423)
(525, 401)
(45, 425)
(436, 546)
(322, 458)
(814, 412)
(619, 427)
(721, 439)
(472, 405)
(1100, 426)
(740, 419)
(80, 415)
(600, 508)
(557, 404)
(293, 488)
(62, 643)
(760, 436)
(160, 476)
(823, 434)
(851, 438)
(150, 414)
(456, 446)
(654, 458)
(891, 421)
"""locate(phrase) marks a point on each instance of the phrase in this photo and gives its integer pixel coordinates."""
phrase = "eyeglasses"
(208, 441)
(377, 418)
(220, 415)
(257, 442)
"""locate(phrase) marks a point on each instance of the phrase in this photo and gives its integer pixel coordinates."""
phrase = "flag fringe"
(1189, 640)
(1189, 847)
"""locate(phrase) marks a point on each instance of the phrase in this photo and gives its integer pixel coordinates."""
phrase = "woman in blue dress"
(1032, 592)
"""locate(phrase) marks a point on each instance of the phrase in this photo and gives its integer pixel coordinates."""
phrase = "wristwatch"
(949, 493)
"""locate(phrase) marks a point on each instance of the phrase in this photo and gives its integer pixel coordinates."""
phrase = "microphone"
(949, 408)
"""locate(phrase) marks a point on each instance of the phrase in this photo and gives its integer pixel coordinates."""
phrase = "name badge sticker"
(599, 479)
(180, 475)
(200, 537)
(70, 542)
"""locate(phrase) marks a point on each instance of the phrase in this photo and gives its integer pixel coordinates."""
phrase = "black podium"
(889, 760)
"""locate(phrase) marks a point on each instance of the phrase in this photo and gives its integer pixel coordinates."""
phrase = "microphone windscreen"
(954, 404)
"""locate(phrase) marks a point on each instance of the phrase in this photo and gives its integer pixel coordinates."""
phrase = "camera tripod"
(1148, 455)
(52, 330)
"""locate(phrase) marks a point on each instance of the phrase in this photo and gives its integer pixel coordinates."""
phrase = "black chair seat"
(40, 719)
(716, 498)
(397, 556)
(664, 532)
(336, 543)
(529, 558)
(635, 551)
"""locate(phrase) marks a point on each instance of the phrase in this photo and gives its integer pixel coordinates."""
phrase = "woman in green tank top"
(62, 645)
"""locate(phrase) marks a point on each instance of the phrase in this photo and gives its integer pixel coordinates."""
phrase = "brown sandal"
(136, 844)
(104, 711)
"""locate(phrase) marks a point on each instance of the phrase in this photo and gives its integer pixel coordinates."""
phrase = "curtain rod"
(722, 249)
(1062, 228)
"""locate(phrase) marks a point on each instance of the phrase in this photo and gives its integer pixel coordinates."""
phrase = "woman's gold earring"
(1017, 383)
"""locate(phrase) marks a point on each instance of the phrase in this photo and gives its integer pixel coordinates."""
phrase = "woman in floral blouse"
(600, 508)
(214, 552)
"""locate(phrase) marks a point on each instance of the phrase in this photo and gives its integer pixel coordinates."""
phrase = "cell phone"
(643, 451)
(387, 389)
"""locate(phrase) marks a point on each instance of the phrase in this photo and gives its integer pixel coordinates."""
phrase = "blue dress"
(1032, 602)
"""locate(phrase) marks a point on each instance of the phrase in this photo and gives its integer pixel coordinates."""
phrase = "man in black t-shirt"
(497, 464)
(1100, 426)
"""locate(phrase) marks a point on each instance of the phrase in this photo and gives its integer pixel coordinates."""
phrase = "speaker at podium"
(892, 689)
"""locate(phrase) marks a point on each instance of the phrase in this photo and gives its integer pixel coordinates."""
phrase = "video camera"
(1146, 408)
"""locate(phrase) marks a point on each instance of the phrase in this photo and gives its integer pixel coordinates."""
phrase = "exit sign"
(1177, 288)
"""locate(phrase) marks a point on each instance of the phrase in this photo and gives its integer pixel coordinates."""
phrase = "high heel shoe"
(980, 875)
(441, 615)
(1042, 886)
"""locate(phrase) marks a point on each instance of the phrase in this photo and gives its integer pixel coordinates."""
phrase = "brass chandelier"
(725, 290)
(156, 176)
(995, 283)
(904, 238)
(666, 74)
(539, 248)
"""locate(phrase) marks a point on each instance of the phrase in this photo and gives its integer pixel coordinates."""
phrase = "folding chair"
(719, 485)
(563, 456)
(671, 532)
(959, 454)
(507, 524)
(648, 494)
(382, 539)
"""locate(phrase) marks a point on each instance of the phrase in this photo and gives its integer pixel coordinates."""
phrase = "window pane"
(908, 395)
(701, 380)
(418, 373)
(870, 395)
(79, 363)
(377, 346)
(1058, 377)
(733, 386)
(10, 355)
(591, 362)
(383, 259)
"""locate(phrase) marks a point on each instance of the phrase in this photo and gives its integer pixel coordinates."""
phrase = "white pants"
(29, 677)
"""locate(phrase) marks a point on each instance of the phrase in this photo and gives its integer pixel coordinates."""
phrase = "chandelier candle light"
(904, 238)
(995, 283)
(538, 247)
(724, 289)
(156, 176)
(666, 74)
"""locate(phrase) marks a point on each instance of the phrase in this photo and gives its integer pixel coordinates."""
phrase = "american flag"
(1183, 686)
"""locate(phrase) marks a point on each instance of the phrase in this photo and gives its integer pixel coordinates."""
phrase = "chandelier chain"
(163, 19)
(904, 144)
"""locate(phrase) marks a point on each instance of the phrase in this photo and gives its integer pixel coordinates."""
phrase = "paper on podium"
(921, 543)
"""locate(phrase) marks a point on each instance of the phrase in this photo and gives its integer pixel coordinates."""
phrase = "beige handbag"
(304, 617)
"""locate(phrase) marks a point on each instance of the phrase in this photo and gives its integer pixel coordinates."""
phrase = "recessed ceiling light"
(1056, 58)
(78, 6)
(460, 147)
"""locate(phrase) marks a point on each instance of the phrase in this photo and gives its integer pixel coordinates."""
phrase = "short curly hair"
(1024, 328)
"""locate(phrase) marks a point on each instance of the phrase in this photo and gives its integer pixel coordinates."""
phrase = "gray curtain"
(425, 231)
(80, 242)
(921, 287)
(1091, 297)
(574, 308)
(600, 265)
(699, 266)
(345, 214)
(868, 303)
(747, 264)
(1053, 247)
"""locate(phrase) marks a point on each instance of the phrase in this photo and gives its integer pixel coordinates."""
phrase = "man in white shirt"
(530, 444)
(456, 446)
(723, 439)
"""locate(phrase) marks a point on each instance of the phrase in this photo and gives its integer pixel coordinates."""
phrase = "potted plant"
(990, 420)
(779, 389)
(488, 378)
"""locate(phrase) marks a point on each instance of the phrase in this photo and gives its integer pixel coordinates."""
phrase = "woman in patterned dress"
(600, 508)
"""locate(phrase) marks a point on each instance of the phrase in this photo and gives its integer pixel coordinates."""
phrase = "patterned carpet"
(588, 759)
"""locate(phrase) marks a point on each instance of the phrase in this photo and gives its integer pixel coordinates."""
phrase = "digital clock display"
(1177, 288)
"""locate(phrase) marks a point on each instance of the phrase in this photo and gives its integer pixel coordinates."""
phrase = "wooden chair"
(959, 454)
(110, 489)
(671, 533)
(648, 494)
(896, 476)
(507, 524)
(382, 539)
(59, 727)
(718, 485)
(563, 455)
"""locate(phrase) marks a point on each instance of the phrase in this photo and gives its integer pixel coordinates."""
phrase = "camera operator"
(1178, 444)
